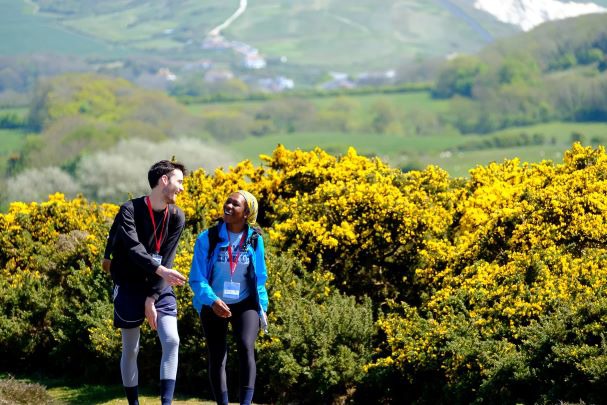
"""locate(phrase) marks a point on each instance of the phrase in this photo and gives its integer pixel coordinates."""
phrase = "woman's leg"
(169, 340)
(128, 363)
(215, 331)
(245, 329)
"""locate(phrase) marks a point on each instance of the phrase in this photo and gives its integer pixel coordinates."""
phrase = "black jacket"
(131, 244)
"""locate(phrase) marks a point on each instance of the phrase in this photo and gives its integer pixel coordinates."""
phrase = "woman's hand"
(221, 309)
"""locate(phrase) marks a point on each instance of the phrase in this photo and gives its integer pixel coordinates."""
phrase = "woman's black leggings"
(245, 327)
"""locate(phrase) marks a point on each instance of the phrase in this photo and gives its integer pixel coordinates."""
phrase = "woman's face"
(235, 209)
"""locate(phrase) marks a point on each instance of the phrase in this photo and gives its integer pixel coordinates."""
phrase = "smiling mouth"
(226, 212)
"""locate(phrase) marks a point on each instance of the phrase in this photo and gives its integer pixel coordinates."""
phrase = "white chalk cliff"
(530, 13)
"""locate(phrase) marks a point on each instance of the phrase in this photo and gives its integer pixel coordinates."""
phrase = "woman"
(228, 277)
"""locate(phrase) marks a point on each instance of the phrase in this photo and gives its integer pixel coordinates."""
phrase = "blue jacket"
(202, 267)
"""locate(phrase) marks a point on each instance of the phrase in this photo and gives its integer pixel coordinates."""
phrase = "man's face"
(172, 185)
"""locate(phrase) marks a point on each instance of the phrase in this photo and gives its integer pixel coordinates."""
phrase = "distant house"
(276, 84)
(376, 78)
(218, 75)
(338, 75)
(166, 74)
(215, 42)
(254, 61)
(339, 80)
(243, 48)
(202, 64)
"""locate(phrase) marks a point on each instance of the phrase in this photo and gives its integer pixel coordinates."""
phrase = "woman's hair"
(252, 205)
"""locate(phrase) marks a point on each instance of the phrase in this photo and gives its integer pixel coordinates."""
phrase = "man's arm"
(109, 246)
(127, 232)
(169, 249)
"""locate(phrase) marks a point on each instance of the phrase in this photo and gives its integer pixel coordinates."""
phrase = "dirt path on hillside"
(241, 9)
(469, 20)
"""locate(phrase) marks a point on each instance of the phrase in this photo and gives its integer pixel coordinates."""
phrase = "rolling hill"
(326, 33)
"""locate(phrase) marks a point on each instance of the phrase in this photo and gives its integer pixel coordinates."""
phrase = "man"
(143, 242)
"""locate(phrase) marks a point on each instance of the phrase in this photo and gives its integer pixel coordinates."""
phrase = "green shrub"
(318, 341)
(14, 391)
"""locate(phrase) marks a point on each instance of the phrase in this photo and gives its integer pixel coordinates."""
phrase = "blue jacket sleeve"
(261, 273)
(203, 293)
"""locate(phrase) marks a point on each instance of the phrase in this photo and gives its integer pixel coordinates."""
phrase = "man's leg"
(128, 364)
(215, 332)
(169, 339)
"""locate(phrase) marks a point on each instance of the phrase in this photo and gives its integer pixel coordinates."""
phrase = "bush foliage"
(14, 391)
(384, 286)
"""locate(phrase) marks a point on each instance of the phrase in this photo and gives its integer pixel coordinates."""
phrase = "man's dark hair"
(161, 168)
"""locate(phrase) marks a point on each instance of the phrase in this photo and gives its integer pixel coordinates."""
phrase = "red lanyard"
(157, 240)
(233, 263)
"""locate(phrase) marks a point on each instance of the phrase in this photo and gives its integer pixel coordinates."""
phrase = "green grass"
(460, 163)
(422, 151)
(337, 142)
(19, 111)
(11, 140)
(362, 104)
(64, 391)
(112, 395)
(24, 32)
(418, 100)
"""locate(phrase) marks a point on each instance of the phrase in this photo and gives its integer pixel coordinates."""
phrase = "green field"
(362, 104)
(11, 140)
(422, 151)
(20, 111)
(404, 100)
(24, 32)
(407, 151)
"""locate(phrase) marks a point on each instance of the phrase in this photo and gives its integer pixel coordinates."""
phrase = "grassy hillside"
(327, 33)
(440, 150)
(25, 32)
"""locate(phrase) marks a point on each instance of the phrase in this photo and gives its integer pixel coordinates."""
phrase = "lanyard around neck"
(157, 240)
(234, 262)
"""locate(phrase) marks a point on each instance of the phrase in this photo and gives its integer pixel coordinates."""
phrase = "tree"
(458, 77)
(385, 119)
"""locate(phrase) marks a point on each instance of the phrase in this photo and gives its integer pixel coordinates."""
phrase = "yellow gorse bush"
(56, 226)
(530, 239)
(443, 259)
(506, 245)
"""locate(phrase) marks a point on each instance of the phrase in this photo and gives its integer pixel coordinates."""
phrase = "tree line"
(555, 72)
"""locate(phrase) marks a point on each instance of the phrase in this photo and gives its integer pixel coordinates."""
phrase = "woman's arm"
(203, 293)
(261, 273)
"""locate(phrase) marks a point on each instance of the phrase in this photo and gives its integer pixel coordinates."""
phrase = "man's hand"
(150, 312)
(105, 265)
(172, 277)
(221, 309)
